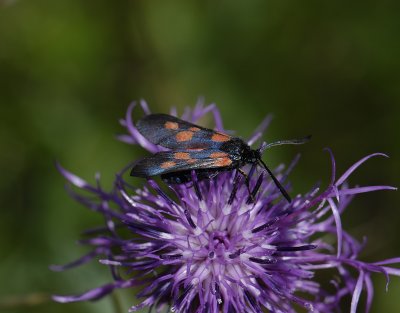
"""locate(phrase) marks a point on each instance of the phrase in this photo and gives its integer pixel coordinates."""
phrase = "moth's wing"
(173, 133)
(176, 161)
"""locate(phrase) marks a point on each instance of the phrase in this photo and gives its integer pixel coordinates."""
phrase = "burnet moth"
(193, 148)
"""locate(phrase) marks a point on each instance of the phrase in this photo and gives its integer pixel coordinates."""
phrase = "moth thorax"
(251, 156)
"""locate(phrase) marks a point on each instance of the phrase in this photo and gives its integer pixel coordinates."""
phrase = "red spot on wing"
(195, 149)
(216, 155)
(191, 161)
(184, 136)
(167, 164)
(222, 162)
(194, 129)
(171, 125)
(218, 137)
(182, 155)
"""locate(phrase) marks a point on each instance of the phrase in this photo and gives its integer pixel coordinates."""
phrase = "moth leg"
(236, 181)
(196, 185)
(247, 182)
(276, 181)
(256, 188)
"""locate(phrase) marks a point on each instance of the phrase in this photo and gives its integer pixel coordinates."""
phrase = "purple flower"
(204, 247)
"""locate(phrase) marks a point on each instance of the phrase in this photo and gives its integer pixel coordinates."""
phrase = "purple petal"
(338, 222)
(217, 118)
(357, 292)
(93, 294)
(127, 139)
(96, 293)
(370, 292)
(388, 261)
(145, 107)
(357, 190)
(355, 166)
(333, 165)
(260, 130)
(82, 260)
(148, 302)
(130, 126)
(72, 178)
(391, 270)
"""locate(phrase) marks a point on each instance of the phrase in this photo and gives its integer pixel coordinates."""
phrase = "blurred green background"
(69, 69)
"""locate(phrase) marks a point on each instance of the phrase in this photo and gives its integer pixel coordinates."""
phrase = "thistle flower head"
(207, 246)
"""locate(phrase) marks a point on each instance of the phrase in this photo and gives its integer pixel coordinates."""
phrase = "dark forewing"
(175, 161)
(173, 133)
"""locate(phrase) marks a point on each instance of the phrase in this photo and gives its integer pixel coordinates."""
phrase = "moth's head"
(261, 149)
(253, 156)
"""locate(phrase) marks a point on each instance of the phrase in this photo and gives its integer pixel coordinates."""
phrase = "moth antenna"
(276, 181)
(298, 141)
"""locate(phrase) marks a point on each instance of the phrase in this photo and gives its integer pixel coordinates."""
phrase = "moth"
(194, 148)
